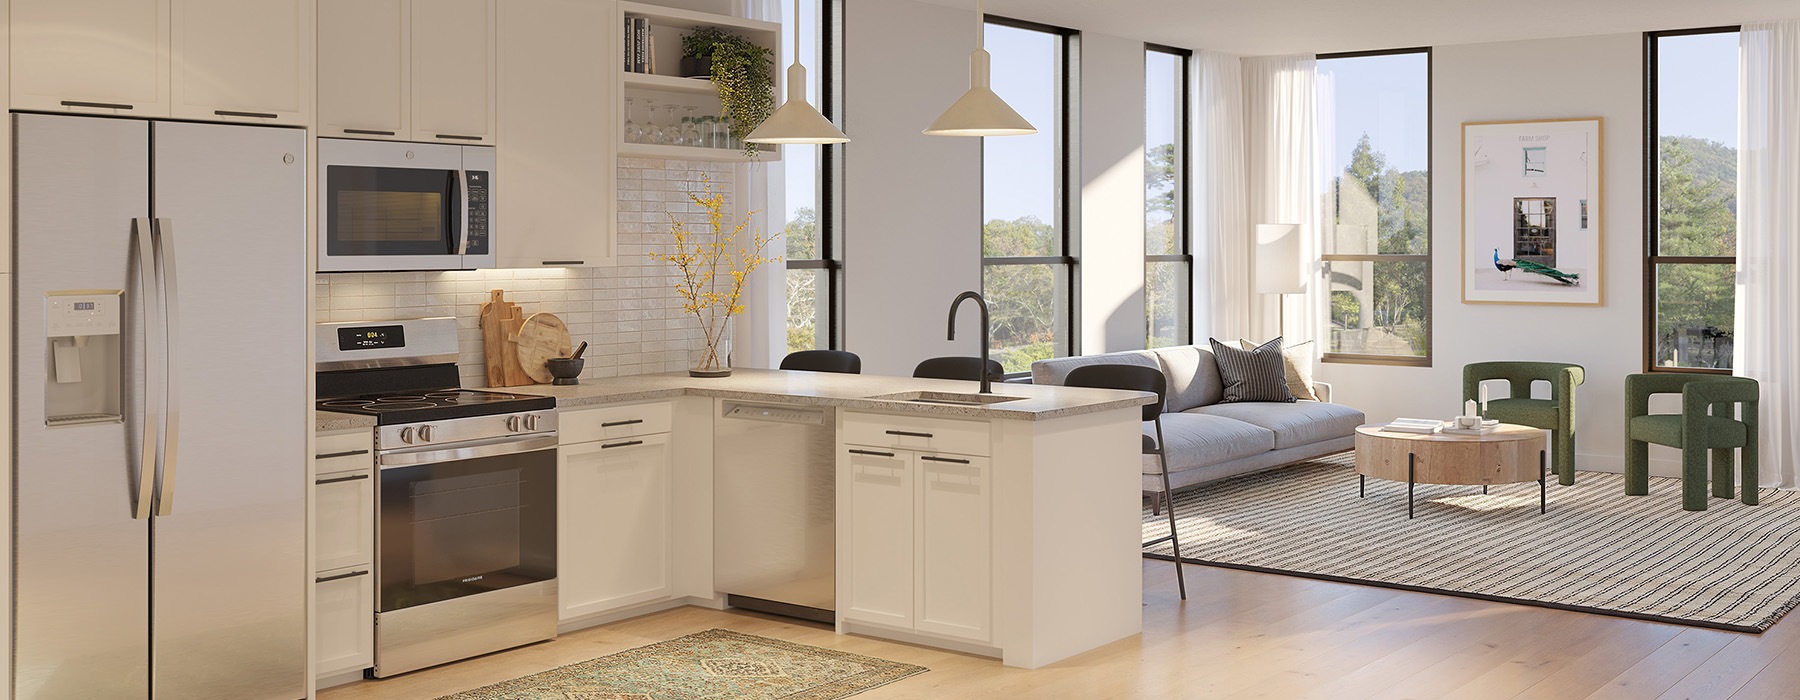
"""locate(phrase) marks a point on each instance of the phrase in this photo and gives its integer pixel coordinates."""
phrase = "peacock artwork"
(1506, 267)
(1533, 229)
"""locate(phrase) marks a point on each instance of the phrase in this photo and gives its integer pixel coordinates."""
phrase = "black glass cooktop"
(416, 406)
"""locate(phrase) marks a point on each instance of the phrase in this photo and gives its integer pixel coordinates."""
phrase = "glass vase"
(713, 357)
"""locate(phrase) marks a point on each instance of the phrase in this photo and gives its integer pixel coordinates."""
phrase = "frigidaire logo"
(473, 578)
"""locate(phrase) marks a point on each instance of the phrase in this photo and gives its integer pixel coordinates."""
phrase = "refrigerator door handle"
(142, 235)
(165, 260)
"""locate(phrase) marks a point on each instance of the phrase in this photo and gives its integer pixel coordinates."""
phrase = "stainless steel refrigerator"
(161, 410)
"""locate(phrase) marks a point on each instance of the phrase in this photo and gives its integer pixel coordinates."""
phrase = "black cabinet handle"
(617, 423)
(370, 132)
(871, 452)
(952, 460)
(907, 433)
(334, 455)
(626, 443)
(96, 105)
(563, 262)
(340, 479)
(459, 137)
(259, 115)
(353, 574)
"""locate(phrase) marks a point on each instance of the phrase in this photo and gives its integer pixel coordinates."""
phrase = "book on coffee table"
(1487, 426)
(1414, 425)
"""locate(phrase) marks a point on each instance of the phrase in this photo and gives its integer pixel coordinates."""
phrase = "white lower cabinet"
(919, 541)
(343, 535)
(614, 522)
(343, 620)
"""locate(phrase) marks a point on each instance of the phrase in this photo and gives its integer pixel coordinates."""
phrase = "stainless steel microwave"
(390, 205)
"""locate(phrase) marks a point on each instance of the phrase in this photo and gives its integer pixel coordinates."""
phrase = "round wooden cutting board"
(544, 336)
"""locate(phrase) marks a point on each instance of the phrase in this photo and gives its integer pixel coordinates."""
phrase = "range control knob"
(512, 424)
(406, 435)
(531, 421)
(424, 433)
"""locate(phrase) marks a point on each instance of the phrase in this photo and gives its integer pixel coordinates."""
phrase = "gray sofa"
(1211, 440)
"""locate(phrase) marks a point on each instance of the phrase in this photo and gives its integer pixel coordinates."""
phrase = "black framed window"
(1029, 265)
(815, 270)
(1375, 113)
(1168, 259)
(1690, 199)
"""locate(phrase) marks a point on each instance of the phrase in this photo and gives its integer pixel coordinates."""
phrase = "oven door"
(466, 519)
(400, 206)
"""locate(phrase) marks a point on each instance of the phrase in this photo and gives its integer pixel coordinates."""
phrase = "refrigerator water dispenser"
(82, 329)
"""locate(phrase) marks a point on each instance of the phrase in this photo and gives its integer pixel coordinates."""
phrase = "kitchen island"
(1008, 529)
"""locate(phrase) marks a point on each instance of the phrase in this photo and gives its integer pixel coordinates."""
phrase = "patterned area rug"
(1732, 567)
(710, 665)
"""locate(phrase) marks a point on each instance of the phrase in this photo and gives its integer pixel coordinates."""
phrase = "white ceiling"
(1271, 27)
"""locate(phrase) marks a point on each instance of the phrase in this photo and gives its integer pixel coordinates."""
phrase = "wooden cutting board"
(542, 337)
(501, 321)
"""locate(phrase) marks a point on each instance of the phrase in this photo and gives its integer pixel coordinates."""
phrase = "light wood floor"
(1248, 635)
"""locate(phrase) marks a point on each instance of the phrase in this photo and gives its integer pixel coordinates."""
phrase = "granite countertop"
(843, 391)
(330, 421)
(814, 389)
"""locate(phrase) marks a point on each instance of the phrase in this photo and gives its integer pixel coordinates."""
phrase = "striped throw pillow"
(1257, 374)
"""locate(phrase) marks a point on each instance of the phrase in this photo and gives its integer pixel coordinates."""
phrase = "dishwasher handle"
(774, 413)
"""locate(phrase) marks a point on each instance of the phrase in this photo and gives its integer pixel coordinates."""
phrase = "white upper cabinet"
(453, 70)
(100, 56)
(217, 60)
(242, 60)
(556, 117)
(411, 70)
(363, 68)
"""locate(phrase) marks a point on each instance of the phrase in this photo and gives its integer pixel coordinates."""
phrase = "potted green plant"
(742, 72)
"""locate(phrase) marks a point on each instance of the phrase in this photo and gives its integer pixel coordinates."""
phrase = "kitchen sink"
(948, 397)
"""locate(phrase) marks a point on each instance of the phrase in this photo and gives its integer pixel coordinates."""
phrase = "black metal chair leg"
(1174, 537)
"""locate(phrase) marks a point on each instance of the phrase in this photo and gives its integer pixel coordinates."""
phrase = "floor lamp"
(1279, 269)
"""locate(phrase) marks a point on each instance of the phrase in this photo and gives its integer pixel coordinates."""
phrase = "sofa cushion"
(1293, 424)
(1056, 370)
(1252, 375)
(1197, 440)
(1193, 376)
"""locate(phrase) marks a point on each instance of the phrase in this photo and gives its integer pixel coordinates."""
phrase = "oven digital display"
(371, 337)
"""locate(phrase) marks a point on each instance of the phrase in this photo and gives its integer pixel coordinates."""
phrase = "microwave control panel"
(478, 213)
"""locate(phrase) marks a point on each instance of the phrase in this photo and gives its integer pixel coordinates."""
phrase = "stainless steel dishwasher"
(774, 508)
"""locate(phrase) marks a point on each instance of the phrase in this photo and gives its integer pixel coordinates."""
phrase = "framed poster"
(1531, 206)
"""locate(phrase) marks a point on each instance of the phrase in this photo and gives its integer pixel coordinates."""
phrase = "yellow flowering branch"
(711, 297)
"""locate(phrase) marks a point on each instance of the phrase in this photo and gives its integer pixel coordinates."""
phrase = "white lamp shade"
(1279, 269)
(980, 112)
(796, 121)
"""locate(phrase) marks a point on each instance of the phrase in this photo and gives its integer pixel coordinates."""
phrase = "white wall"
(1580, 77)
(912, 203)
(1112, 194)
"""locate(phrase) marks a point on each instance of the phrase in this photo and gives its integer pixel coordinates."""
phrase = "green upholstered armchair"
(1555, 414)
(1695, 430)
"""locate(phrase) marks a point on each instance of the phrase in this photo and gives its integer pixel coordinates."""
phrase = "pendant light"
(980, 112)
(796, 121)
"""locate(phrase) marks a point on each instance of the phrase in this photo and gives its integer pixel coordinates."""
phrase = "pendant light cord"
(979, 28)
(796, 23)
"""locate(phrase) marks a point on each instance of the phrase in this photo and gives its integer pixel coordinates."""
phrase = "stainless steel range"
(466, 503)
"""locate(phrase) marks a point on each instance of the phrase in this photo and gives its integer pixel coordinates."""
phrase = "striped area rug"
(1732, 567)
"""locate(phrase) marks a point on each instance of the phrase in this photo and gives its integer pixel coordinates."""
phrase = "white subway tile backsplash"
(630, 314)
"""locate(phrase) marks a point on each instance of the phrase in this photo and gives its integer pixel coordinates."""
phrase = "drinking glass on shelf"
(653, 132)
(634, 132)
(672, 133)
(690, 129)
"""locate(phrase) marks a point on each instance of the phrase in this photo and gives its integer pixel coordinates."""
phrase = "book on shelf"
(641, 45)
(1414, 425)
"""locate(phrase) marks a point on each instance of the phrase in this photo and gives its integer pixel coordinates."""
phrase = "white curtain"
(1223, 270)
(1768, 289)
(1280, 116)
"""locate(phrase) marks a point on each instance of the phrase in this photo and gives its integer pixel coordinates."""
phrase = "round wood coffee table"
(1511, 454)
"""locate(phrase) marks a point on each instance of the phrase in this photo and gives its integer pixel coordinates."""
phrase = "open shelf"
(654, 150)
(669, 83)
